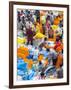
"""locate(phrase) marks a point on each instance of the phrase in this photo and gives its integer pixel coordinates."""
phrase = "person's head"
(38, 20)
(62, 51)
(45, 39)
(50, 27)
(42, 74)
(21, 11)
(57, 38)
(23, 19)
(48, 50)
(48, 18)
(51, 13)
(18, 13)
(40, 63)
(59, 15)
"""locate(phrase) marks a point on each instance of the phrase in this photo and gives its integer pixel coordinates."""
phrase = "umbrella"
(39, 36)
(54, 27)
(21, 40)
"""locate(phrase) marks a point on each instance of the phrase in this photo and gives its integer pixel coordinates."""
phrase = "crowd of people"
(39, 44)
